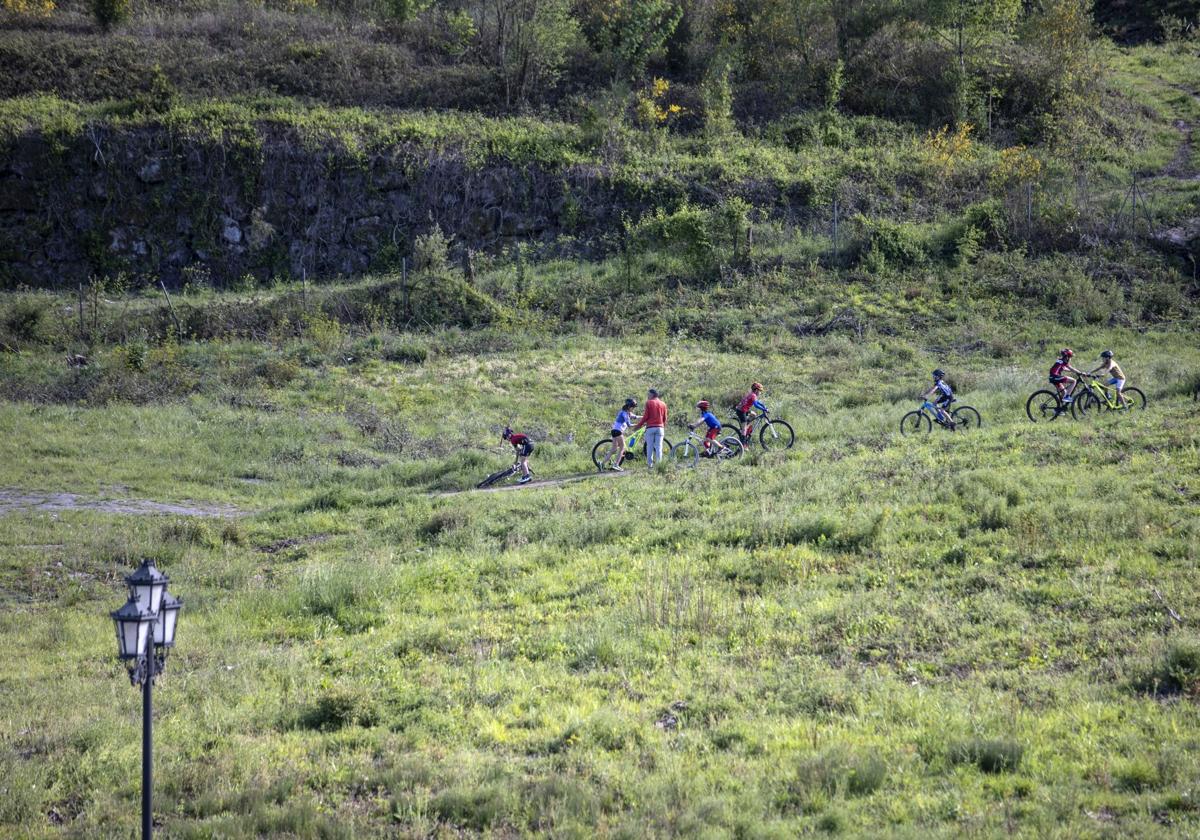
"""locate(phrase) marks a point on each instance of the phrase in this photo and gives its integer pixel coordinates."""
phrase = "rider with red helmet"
(749, 403)
(1058, 374)
(709, 420)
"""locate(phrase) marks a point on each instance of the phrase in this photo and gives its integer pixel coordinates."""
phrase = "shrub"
(989, 755)
(109, 13)
(339, 706)
(1181, 664)
(888, 244)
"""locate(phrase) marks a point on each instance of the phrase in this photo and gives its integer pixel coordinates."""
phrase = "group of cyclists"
(654, 414)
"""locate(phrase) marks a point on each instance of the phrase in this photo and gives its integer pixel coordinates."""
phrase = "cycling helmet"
(1067, 353)
(703, 405)
(756, 387)
(630, 403)
(1107, 354)
(506, 434)
(939, 373)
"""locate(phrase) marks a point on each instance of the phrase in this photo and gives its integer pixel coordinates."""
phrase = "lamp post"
(145, 635)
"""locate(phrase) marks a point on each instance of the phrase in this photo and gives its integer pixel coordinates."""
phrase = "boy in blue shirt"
(713, 424)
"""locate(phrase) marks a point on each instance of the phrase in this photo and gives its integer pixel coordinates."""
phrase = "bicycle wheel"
(601, 452)
(965, 418)
(733, 448)
(1135, 399)
(915, 422)
(731, 429)
(686, 454)
(496, 476)
(776, 435)
(1085, 404)
(1043, 406)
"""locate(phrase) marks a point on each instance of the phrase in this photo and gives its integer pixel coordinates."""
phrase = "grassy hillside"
(967, 634)
(867, 634)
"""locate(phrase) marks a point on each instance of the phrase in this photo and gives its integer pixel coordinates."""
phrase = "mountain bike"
(635, 447)
(500, 475)
(963, 418)
(693, 448)
(773, 434)
(1096, 395)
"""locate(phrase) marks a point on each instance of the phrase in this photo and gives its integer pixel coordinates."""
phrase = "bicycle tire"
(1043, 406)
(685, 454)
(731, 429)
(733, 448)
(777, 434)
(966, 417)
(1084, 404)
(1135, 398)
(496, 476)
(600, 453)
(915, 422)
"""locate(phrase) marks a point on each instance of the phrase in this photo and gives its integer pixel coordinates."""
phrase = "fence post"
(836, 243)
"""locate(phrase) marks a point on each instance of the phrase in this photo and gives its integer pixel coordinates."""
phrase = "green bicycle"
(1091, 396)
(635, 447)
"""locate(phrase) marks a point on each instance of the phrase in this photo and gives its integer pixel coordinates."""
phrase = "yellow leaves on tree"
(651, 108)
(946, 150)
(29, 8)
(1017, 165)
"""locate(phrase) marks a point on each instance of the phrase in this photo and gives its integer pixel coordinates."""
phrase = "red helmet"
(703, 405)
(756, 387)
(1067, 353)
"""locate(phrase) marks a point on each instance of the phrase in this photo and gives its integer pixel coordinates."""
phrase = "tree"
(633, 31)
(964, 25)
(526, 42)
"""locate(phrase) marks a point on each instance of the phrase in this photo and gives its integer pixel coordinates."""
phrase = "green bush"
(109, 13)
(991, 755)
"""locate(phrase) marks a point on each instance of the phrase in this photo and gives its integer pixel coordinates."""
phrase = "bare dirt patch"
(26, 501)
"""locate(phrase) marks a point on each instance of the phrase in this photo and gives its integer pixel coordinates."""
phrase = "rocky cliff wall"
(157, 202)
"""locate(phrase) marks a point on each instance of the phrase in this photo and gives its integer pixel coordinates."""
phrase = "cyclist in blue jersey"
(625, 419)
(945, 396)
(713, 424)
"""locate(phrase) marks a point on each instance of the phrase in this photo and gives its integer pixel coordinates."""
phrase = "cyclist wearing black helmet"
(945, 396)
(1116, 377)
(625, 419)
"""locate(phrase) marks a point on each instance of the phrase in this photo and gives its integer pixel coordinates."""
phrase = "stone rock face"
(153, 204)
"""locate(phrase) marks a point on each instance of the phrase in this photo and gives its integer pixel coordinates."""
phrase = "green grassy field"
(868, 634)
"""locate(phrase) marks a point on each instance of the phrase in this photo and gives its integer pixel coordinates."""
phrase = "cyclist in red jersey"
(749, 403)
(524, 448)
(1058, 374)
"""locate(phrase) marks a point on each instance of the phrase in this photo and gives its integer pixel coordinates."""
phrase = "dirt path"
(24, 501)
(548, 482)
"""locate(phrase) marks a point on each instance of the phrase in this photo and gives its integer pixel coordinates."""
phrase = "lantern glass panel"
(164, 623)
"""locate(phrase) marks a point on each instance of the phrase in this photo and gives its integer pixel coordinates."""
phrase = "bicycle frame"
(1105, 393)
(929, 408)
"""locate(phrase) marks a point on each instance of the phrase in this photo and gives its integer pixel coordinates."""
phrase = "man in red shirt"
(654, 418)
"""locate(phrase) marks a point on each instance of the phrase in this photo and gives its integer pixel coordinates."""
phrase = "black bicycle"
(963, 418)
(501, 475)
(772, 434)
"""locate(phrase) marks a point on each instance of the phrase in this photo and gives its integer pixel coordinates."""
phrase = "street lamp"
(145, 634)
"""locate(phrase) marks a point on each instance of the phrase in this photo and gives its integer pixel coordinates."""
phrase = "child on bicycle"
(945, 396)
(1116, 377)
(713, 424)
(1064, 384)
(524, 448)
(624, 420)
(749, 403)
